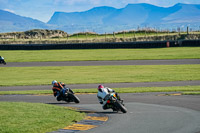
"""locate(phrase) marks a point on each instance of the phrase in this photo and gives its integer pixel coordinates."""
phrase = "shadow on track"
(60, 103)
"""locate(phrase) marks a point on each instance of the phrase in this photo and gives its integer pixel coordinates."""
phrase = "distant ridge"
(92, 16)
(108, 19)
(131, 14)
(10, 22)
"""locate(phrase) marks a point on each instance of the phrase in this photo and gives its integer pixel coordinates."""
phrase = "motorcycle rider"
(103, 94)
(59, 89)
(1, 59)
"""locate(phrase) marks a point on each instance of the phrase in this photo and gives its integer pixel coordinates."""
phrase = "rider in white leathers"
(1, 58)
(103, 94)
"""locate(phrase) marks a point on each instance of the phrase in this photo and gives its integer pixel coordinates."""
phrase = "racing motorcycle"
(115, 104)
(2, 62)
(69, 96)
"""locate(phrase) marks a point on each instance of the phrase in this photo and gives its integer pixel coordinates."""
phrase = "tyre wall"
(114, 45)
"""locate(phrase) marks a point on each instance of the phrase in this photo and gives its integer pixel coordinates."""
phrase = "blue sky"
(44, 9)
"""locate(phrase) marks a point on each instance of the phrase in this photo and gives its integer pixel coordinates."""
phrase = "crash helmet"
(54, 82)
(100, 87)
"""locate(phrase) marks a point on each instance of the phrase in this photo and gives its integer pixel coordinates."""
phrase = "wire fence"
(90, 37)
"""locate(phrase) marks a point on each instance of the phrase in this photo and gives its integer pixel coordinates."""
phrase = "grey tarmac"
(147, 112)
(103, 63)
(111, 85)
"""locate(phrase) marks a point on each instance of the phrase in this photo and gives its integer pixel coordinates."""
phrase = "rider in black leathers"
(2, 60)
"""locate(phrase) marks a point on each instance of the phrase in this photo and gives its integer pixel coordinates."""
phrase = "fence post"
(134, 35)
(114, 35)
(179, 30)
(105, 36)
(146, 35)
(157, 33)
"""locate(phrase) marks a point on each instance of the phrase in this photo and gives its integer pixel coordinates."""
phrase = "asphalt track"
(147, 112)
(111, 85)
(102, 63)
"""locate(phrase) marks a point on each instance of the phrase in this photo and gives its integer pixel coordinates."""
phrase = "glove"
(101, 102)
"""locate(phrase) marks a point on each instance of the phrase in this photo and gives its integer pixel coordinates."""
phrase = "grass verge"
(19, 117)
(145, 89)
(96, 54)
(183, 89)
(13, 76)
(191, 93)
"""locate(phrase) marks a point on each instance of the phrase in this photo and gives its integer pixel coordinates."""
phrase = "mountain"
(185, 14)
(135, 14)
(93, 16)
(108, 19)
(10, 22)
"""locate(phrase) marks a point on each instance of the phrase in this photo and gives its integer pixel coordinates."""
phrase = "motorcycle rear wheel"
(75, 98)
(121, 107)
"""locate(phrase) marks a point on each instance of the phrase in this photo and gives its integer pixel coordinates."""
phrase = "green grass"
(85, 36)
(191, 93)
(12, 76)
(19, 117)
(183, 89)
(145, 89)
(100, 54)
(27, 92)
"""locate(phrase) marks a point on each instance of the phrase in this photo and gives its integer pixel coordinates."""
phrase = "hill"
(93, 16)
(34, 34)
(108, 19)
(10, 22)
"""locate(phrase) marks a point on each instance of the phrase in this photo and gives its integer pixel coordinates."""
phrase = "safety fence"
(111, 45)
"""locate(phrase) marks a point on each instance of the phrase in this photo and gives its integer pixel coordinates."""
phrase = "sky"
(43, 9)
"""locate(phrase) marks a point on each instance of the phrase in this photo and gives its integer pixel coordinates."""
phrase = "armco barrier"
(153, 44)
(190, 43)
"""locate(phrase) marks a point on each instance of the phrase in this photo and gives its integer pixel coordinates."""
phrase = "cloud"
(9, 10)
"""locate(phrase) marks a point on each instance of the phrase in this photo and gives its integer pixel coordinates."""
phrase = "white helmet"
(54, 81)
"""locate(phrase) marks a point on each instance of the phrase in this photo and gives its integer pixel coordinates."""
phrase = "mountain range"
(10, 22)
(108, 19)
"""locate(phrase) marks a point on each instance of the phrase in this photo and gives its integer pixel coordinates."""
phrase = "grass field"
(19, 117)
(12, 76)
(100, 54)
(84, 36)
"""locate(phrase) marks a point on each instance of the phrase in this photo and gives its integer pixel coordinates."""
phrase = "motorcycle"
(2, 62)
(68, 96)
(115, 104)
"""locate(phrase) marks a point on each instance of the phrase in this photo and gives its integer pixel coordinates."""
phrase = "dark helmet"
(100, 86)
